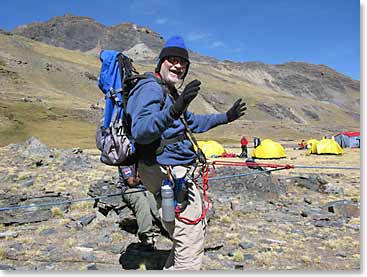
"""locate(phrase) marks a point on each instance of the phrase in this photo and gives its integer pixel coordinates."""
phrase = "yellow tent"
(312, 145)
(211, 148)
(269, 149)
(328, 146)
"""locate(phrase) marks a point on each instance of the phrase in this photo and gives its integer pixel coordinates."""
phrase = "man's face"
(173, 69)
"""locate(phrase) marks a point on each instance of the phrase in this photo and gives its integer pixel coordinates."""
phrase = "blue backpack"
(117, 77)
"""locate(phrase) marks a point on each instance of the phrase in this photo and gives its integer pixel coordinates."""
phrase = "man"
(155, 108)
(244, 143)
(302, 145)
(257, 142)
(142, 203)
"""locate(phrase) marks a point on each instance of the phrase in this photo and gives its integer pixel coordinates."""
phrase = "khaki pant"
(188, 240)
(145, 209)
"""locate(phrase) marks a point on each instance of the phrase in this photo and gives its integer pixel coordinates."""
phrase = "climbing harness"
(204, 173)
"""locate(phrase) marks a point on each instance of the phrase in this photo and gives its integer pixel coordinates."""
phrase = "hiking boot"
(147, 242)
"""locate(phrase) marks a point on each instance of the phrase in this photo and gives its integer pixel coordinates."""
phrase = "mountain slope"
(287, 101)
(317, 82)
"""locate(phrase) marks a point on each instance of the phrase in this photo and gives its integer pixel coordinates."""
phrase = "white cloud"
(235, 50)
(197, 36)
(161, 20)
(217, 44)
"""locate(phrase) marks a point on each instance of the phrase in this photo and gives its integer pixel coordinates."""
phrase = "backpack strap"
(126, 71)
(129, 83)
(126, 67)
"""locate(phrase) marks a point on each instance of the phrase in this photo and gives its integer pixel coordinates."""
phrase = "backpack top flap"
(110, 80)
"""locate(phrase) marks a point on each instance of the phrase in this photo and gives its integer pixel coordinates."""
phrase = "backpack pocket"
(116, 148)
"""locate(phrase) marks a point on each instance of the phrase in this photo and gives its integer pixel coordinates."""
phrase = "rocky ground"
(297, 219)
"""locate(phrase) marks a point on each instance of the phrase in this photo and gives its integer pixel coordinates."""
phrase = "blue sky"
(269, 31)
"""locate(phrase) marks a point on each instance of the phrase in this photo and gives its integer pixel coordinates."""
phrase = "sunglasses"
(175, 60)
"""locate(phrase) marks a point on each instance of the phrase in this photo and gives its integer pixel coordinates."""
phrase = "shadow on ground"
(136, 255)
(129, 225)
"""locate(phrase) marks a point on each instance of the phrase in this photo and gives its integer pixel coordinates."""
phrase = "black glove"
(237, 110)
(182, 102)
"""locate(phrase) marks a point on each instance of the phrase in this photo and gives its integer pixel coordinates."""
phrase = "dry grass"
(41, 229)
(340, 243)
(83, 206)
(3, 254)
(117, 237)
(57, 212)
(34, 120)
(238, 256)
(226, 219)
(61, 53)
(69, 242)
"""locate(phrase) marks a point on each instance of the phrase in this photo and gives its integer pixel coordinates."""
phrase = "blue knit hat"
(175, 46)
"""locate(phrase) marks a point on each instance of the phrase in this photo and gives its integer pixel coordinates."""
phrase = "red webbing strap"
(254, 164)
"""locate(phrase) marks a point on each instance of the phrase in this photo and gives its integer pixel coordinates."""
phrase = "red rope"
(254, 164)
(205, 177)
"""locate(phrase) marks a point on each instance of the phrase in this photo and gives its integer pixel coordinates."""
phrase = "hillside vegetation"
(52, 93)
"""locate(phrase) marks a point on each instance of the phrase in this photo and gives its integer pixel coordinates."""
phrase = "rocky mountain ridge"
(84, 34)
(81, 33)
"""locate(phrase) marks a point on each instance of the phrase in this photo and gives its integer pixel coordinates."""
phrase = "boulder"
(344, 208)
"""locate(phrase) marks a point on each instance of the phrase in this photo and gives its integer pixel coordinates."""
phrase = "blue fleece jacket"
(151, 121)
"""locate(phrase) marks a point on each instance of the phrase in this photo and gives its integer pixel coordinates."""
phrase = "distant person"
(302, 145)
(244, 143)
(142, 203)
(257, 142)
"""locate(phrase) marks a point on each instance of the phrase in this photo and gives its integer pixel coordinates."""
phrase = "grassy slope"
(63, 89)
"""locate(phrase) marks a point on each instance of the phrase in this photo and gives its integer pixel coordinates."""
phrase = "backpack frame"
(117, 77)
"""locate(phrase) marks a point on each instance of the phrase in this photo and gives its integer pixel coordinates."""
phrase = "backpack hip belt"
(165, 142)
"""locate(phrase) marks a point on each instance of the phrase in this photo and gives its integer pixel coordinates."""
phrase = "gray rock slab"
(30, 214)
(345, 208)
